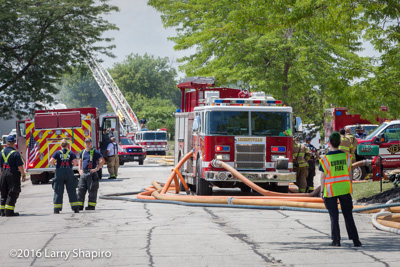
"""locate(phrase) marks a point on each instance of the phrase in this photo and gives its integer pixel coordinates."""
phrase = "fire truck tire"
(203, 187)
(141, 162)
(121, 163)
(35, 178)
(162, 153)
(359, 173)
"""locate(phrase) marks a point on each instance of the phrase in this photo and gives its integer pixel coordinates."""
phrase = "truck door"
(109, 128)
(21, 138)
(389, 149)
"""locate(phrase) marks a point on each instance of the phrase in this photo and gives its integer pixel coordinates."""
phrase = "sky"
(141, 31)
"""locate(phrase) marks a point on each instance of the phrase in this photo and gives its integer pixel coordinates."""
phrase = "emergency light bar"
(248, 101)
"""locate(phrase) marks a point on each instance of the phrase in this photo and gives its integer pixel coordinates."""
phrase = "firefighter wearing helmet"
(354, 143)
(12, 168)
(301, 155)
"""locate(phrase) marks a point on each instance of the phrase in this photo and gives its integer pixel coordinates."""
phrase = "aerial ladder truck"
(114, 96)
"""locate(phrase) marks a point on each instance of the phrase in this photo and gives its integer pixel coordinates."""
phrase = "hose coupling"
(215, 163)
(367, 162)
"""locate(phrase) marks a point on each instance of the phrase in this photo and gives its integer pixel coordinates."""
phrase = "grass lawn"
(367, 189)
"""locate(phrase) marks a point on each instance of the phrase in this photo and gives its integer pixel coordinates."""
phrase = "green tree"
(286, 48)
(40, 40)
(148, 76)
(79, 89)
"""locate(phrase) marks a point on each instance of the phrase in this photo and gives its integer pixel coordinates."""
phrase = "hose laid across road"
(383, 219)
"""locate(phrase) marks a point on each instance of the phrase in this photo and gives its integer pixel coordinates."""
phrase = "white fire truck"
(249, 131)
(155, 142)
(39, 138)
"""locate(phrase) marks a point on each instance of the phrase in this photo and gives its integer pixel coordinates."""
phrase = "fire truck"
(337, 118)
(42, 137)
(155, 142)
(252, 132)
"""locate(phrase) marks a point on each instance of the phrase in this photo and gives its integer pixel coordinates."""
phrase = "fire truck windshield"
(238, 123)
(154, 136)
(126, 141)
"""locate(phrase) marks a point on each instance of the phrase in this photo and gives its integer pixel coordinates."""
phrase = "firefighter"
(65, 160)
(90, 162)
(336, 176)
(311, 165)
(354, 143)
(301, 154)
(112, 158)
(143, 123)
(10, 180)
(345, 144)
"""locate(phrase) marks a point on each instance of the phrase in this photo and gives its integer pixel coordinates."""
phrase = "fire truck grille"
(250, 157)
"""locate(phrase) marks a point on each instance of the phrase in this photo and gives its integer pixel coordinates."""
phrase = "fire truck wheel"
(35, 178)
(203, 187)
(141, 162)
(121, 163)
(359, 173)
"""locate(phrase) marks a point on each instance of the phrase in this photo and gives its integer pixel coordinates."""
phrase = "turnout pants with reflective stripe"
(112, 165)
(346, 204)
(65, 177)
(301, 178)
(311, 174)
(10, 187)
(88, 182)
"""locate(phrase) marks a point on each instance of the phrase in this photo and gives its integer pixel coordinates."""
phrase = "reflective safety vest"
(65, 158)
(5, 164)
(301, 155)
(345, 144)
(90, 159)
(337, 180)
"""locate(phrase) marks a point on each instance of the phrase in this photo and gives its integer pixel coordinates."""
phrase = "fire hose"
(268, 200)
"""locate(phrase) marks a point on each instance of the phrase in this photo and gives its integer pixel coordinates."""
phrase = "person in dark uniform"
(66, 159)
(143, 122)
(90, 162)
(336, 177)
(311, 164)
(10, 179)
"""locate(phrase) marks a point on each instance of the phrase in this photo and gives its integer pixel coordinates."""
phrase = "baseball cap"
(88, 140)
(308, 138)
(11, 138)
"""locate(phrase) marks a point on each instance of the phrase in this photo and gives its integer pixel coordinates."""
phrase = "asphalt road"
(122, 233)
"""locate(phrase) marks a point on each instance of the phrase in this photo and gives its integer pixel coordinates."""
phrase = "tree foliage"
(79, 89)
(42, 39)
(305, 52)
(147, 76)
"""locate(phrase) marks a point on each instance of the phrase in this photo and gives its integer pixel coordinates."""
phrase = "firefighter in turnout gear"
(64, 160)
(90, 162)
(10, 179)
(301, 154)
(112, 158)
(354, 143)
(336, 176)
(345, 143)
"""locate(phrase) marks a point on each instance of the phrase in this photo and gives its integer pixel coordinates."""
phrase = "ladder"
(114, 95)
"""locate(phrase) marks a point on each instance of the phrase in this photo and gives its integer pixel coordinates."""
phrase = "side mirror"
(299, 125)
(196, 124)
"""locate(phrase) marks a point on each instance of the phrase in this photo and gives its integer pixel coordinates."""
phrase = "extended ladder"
(114, 95)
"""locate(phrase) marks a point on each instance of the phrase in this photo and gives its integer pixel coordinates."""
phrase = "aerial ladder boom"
(114, 95)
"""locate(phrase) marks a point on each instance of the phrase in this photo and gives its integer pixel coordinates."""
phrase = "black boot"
(90, 208)
(357, 243)
(335, 243)
(10, 213)
(56, 211)
(76, 210)
(80, 207)
(2, 213)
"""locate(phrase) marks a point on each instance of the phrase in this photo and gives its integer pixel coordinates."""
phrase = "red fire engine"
(43, 135)
(250, 132)
(155, 142)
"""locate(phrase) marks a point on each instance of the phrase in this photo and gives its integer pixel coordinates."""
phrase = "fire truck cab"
(250, 132)
(39, 138)
(155, 142)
